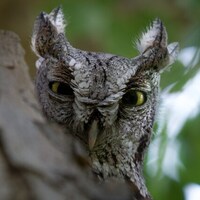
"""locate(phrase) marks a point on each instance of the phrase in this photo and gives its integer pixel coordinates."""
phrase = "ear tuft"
(154, 48)
(155, 35)
(46, 29)
(57, 19)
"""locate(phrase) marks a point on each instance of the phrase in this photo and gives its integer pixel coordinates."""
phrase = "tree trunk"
(37, 160)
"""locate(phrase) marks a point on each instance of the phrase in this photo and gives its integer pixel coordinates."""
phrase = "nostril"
(96, 115)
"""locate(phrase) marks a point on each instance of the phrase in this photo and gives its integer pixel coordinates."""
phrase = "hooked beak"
(92, 134)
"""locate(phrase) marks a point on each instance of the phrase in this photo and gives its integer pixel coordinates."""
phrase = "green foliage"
(190, 151)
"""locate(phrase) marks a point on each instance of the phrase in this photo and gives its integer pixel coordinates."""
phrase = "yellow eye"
(60, 88)
(54, 87)
(134, 98)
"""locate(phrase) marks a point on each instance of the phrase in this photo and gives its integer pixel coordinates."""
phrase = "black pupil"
(130, 98)
(63, 88)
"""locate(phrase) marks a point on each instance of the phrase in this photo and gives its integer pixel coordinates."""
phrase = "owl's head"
(108, 101)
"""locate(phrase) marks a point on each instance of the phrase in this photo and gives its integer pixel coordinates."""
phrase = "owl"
(107, 101)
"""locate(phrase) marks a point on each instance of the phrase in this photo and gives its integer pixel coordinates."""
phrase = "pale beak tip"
(91, 143)
(92, 134)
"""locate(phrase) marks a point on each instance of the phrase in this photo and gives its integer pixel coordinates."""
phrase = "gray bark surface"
(37, 159)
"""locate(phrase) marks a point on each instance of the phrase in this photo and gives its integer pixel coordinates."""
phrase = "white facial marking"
(72, 62)
(38, 62)
(77, 66)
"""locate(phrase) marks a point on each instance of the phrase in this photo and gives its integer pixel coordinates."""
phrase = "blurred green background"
(173, 161)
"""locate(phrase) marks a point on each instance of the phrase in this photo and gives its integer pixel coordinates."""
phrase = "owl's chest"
(114, 156)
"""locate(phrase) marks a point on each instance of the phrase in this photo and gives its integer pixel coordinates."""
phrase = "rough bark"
(37, 160)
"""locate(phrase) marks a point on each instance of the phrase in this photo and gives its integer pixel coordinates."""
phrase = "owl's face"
(93, 94)
(107, 101)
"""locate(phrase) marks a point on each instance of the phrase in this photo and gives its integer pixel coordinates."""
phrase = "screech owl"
(107, 101)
